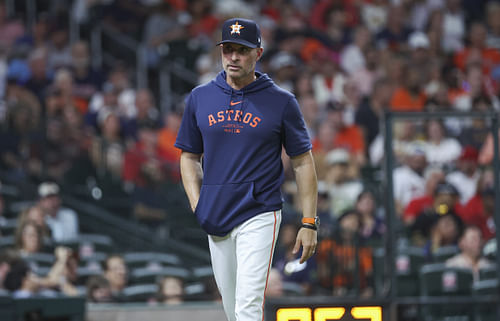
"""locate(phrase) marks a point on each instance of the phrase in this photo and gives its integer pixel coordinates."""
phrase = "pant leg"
(223, 256)
(255, 242)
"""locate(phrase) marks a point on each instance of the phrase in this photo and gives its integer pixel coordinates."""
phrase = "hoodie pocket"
(220, 205)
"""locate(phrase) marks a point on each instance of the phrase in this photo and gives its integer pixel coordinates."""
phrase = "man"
(115, 272)
(239, 123)
(63, 222)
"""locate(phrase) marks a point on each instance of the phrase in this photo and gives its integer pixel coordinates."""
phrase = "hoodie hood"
(262, 82)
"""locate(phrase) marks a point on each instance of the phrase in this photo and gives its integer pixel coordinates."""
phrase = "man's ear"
(260, 51)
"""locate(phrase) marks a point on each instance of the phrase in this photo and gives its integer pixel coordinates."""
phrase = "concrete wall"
(133, 312)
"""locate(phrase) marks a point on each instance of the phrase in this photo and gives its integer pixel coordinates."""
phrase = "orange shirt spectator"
(490, 57)
(403, 100)
(166, 140)
(350, 138)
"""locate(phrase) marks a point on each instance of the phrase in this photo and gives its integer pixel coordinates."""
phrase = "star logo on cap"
(236, 28)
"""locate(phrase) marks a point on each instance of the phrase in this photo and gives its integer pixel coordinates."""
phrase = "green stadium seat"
(441, 254)
(488, 273)
(140, 292)
(143, 259)
(153, 274)
(440, 280)
(408, 263)
(486, 311)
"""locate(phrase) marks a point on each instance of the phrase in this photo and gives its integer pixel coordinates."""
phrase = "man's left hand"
(308, 238)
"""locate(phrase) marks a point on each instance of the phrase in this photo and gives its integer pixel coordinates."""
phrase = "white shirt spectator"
(453, 31)
(64, 226)
(407, 185)
(374, 16)
(323, 94)
(466, 186)
(352, 59)
(448, 150)
(343, 196)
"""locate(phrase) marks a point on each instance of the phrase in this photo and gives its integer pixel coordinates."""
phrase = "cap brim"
(239, 42)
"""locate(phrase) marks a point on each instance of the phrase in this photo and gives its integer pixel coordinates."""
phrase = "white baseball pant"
(241, 261)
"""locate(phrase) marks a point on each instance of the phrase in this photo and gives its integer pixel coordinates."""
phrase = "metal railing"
(389, 119)
(104, 32)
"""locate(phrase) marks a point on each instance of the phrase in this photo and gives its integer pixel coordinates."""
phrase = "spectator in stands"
(108, 149)
(493, 21)
(322, 145)
(410, 95)
(433, 176)
(436, 229)
(98, 289)
(29, 238)
(440, 149)
(488, 57)
(40, 76)
(115, 271)
(328, 83)
(477, 133)
(160, 28)
(465, 179)
(63, 222)
(487, 150)
(470, 244)
(146, 113)
(21, 282)
(348, 137)
(408, 179)
(453, 26)
(63, 274)
(371, 110)
(171, 290)
(10, 29)
(372, 217)
(337, 268)
(395, 34)
(310, 111)
(59, 55)
(479, 210)
(166, 140)
(35, 214)
(352, 58)
(7, 257)
(343, 189)
(87, 81)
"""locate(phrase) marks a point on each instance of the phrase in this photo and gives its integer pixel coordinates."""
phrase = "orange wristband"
(309, 220)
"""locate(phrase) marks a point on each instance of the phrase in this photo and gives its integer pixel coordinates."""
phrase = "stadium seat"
(85, 272)
(7, 242)
(408, 262)
(8, 226)
(440, 280)
(202, 272)
(95, 258)
(140, 292)
(486, 311)
(441, 254)
(155, 273)
(88, 244)
(40, 259)
(143, 259)
(488, 273)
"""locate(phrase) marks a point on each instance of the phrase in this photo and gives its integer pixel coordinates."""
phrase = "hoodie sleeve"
(189, 136)
(295, 137)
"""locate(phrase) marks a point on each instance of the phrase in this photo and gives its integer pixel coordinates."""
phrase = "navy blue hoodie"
(240, 134)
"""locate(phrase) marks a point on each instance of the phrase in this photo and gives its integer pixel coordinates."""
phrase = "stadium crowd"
(64, 123)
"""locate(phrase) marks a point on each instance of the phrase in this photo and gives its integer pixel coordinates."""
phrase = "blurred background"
(91, 207)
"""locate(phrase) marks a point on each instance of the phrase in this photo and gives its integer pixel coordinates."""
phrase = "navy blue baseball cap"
(241, 31)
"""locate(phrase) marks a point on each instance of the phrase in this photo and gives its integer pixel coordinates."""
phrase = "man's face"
(117, 272)
(239, 61)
